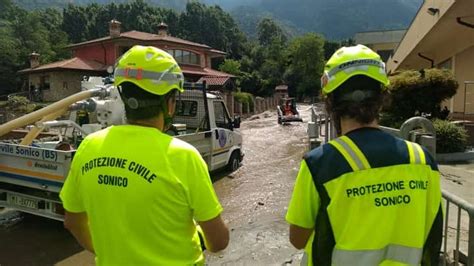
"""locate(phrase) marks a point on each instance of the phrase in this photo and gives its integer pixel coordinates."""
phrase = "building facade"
(55, 81)
(95, 56)
(442, 35)
(382, 42)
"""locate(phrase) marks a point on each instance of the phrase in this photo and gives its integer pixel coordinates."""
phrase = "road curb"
(455, 157)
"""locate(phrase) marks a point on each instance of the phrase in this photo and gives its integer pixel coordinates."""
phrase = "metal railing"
(428, 140)
(458, 255)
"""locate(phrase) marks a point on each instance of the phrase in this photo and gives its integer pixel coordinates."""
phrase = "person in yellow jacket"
(133, 193)
(366, 197)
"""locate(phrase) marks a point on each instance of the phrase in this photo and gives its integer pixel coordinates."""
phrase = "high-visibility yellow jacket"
(372, 199)
(142, 191)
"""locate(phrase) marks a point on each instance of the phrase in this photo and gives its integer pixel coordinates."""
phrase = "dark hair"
(341, 104)
(149, 105)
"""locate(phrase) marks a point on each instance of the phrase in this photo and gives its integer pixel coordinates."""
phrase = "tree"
(48, 31)
(306, 66)
(348, 42)
(211, 26)
(32, 36)
(268, 30)
(75, 21)
(250, 82)
(230, 66)
(329, 48)
(52, 20)
(8, 59)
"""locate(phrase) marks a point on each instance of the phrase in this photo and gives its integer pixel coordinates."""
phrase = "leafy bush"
(244, 97)
(19, 104)
(415, 92)
(390, 120)
(449, 137)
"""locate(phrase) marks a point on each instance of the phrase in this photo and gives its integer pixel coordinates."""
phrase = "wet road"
(254, 198)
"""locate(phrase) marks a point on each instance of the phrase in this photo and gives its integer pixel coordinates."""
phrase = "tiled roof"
(213, 72)
(214, 81)
(281, 88)
(197, 70)
(145, 36)
(74, 63)
(218, 51)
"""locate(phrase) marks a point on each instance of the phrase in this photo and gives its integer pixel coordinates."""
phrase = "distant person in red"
(287, 109)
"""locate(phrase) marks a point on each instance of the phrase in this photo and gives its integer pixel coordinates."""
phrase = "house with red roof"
(60, 79)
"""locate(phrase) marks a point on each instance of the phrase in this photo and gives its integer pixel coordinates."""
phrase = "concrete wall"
(62, 84)
(464, 71)
(383, 46)
(260, 105)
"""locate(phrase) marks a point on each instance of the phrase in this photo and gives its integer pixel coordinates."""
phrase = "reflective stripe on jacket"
(380, 201)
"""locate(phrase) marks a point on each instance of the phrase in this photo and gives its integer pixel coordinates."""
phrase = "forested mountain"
(335, 19)
(338, 19)
(40, 4)
(280, 49)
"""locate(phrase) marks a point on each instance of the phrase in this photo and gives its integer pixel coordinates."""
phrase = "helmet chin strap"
(167, 118)
(337, 124)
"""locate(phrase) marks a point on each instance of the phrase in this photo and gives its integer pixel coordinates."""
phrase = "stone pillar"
(34, 59)
(230, 103)
(254, 111)
(238, 108)
(163, 29)
(114, 28)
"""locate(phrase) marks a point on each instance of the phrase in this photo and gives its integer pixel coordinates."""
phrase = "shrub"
(449, 137)
(389, 120)
(415, 92)
(19, 104)
(244, 97)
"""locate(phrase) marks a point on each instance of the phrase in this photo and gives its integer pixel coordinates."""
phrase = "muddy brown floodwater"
(255, 199)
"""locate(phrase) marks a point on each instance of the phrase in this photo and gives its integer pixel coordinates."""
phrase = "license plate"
(22, 201)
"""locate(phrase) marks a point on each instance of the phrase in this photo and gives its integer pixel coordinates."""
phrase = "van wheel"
(234, 161)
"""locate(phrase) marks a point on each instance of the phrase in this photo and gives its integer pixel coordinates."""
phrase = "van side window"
(220, 113)
(186, 108)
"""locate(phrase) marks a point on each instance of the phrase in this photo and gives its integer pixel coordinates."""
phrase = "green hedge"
(414, 92)
(244, 97)
(449, 137)
(19, 104)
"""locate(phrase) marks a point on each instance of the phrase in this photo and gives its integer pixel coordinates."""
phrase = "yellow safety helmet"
(350, 61)
(150, 68)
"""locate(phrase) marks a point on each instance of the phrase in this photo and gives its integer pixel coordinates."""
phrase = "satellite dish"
(110, 69)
